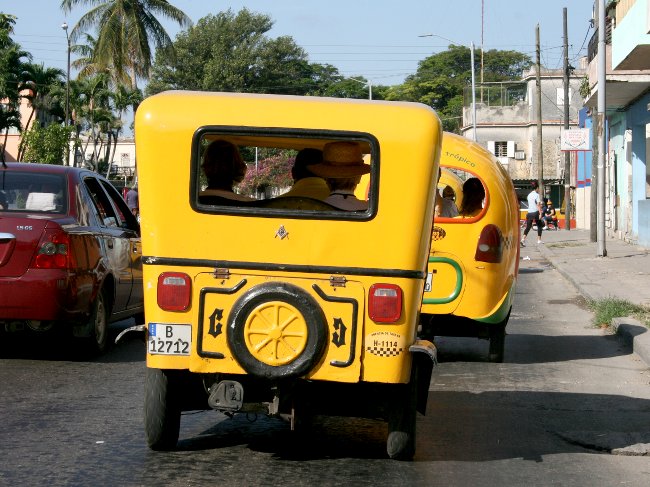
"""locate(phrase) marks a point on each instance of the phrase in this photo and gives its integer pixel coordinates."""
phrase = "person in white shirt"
(534, 210)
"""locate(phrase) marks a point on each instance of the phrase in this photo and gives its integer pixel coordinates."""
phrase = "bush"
(48, 145)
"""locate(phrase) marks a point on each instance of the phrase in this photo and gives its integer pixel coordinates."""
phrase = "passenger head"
(341, 160)
(305, 158)
(473, 195)
(223, 165)
(448, 192)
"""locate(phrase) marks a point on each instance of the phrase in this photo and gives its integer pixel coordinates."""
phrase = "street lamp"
(64, 26)
(364, 83)
(473, 79)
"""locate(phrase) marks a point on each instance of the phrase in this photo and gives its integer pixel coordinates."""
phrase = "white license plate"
(169, 339)
(429, 281)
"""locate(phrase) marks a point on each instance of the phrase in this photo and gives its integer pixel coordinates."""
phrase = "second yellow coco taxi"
(474, 256)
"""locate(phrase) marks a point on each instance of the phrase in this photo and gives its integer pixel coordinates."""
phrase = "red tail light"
(174, 291)
(385, 303)
(53, 251)
(490, 245)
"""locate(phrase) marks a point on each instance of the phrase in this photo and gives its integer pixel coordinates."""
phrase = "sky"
(381, 40)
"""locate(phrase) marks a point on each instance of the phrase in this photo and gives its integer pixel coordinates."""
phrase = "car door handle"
(109, 242)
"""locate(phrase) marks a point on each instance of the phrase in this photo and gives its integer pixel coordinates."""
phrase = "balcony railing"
(497, 94)
(592, 49)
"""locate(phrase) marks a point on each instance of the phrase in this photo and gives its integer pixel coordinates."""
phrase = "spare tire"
(276, 331)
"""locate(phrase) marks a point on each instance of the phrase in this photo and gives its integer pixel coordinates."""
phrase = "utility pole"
(473, 94)
(600, 213)
(540, 144)
(567, 154)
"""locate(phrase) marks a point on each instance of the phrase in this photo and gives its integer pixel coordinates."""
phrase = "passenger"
(306, 183)
(224, 168)
(4, 203)
(473, 196)
(448, 208)
(342, 168)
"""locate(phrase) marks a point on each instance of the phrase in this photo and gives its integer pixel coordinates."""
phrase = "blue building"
(627, 95)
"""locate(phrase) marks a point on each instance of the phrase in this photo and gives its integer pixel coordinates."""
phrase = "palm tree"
(12, 66)
(40, 81)
(125, 31)
(122, 99)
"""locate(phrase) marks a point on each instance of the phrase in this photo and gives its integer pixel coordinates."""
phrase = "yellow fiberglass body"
(474, 258)
(267, 281)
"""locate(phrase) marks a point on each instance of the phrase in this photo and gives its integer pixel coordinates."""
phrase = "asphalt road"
(570, 406)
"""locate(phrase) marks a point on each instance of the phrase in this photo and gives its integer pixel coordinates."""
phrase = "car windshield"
(28, 191)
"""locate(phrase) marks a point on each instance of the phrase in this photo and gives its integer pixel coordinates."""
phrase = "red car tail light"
(385, 303)
(490, 245)
(53, 251)
(174, 291)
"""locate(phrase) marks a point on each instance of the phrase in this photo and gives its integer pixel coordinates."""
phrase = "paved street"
(565, 397)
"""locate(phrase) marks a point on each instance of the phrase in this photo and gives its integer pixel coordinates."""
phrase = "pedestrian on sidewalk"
(533, 215)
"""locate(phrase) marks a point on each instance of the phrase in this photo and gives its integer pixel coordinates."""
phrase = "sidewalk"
(624, 274)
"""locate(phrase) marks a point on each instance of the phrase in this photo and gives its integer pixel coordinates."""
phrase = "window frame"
(255, 208)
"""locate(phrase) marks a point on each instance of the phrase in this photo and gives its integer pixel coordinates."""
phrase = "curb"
(633, 333)
(629, 330)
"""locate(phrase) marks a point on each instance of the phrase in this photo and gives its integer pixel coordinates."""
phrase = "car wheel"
(162, 412)
(400, 444)
(498, 341)
(277, 331)
(97, 326)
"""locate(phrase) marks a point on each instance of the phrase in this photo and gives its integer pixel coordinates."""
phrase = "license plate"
(428, 282)
(169, 339)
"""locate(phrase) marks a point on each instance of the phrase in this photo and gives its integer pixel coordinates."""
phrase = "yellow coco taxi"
(474, 257)
(290, 304)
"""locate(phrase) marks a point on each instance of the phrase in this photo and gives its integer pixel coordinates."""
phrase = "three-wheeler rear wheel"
(162, 411)
(402, 419)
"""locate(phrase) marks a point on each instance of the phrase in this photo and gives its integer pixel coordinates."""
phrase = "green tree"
(12, 62)
(441, 78)
(231, 52)
(46, 145)
(40, 90)
(126, 30)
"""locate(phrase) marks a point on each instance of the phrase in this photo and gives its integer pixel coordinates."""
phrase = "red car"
(70, 255)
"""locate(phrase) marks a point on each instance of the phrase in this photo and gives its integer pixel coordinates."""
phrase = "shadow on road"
(534, 349)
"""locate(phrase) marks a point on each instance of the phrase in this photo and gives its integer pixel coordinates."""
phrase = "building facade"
(506, 124)
(627, 99)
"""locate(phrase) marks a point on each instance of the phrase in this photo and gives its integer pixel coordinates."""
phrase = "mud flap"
(425, 355)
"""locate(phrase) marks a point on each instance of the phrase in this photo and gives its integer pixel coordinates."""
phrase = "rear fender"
(425, 356)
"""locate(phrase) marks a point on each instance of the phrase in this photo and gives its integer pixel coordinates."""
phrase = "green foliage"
(11, 74)
(46, 145)
(585, 89)
(231, 52)
(606, 309)
(441, 78)
(126, 30)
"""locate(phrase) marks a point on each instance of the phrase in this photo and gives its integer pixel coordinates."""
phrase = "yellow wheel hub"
(275, 333)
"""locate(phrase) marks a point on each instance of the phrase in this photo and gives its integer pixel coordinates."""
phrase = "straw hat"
(341, 160)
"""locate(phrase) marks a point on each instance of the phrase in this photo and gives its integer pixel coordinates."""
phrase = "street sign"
(575, 140)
